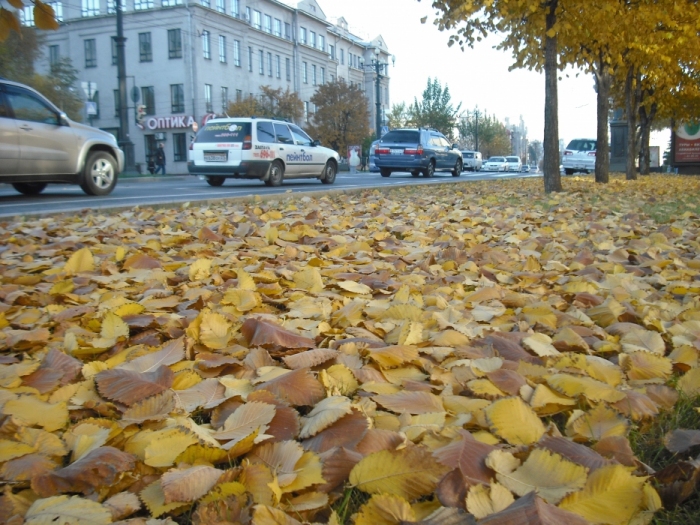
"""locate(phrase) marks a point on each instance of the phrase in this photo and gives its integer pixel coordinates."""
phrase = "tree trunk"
(631, 105)
(645, 121)
(552, 177)
(602, 158)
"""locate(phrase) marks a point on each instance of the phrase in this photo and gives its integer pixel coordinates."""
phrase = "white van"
(472, 160)
(579, 155)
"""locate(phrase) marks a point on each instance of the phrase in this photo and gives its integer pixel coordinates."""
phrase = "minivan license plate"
(397, 152)
(215, 156)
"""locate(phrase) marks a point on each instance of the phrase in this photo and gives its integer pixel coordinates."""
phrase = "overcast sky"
(476, 77)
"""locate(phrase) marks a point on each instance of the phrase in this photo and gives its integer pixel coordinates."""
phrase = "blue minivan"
(418, 151)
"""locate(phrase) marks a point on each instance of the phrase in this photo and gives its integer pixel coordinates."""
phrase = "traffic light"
(140, 113)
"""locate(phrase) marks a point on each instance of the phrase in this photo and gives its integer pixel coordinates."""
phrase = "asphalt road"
(174, 189)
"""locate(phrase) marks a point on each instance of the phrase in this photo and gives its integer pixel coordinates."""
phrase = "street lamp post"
(124, 140)
(380, 69)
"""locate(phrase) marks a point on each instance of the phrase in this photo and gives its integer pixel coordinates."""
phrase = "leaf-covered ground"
(466, 353)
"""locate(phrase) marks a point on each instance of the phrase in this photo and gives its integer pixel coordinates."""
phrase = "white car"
(266, 149)
(471, 160)
(496, 164)
(514, 163)
(579, 156)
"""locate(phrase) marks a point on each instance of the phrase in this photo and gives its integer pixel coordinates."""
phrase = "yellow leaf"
(245, 280)
(113, 327)
(80, 261)
(154, 498)
(307, 501)
(338, 380)
(643, 341)
(541, 314)
(392, 356)
(548, 474)
(309, 471)
(13, 449)
(189, 484)
(385, 509)
(62, 287)
(44, 16)
(36, 412)
(166, 447)
(243, 300)
(84, 438)
(247, 419)
(591, 389)
(514, 421)
(223, 490)
(309, 279)
(8, 22)
(264, 515)
(354, 287)
(540, 344)
(200, 269)
(689, 384)
(214, 330)
(611, 495)
(645, 365)
(598, 423)
(129, 309)
(483, 501)
(64, 510)
(410, 472)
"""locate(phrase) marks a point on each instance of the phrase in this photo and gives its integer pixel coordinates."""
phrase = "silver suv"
(39, 145)
(259, 148)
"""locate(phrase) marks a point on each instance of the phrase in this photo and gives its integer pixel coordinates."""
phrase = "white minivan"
(579, 156)
(472, 160)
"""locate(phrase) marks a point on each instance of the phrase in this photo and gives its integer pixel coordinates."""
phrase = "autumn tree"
(483, 132)
(59, 86)
(44, 17)
(281, 104)
(398, 117)
(435, 109)
(341, 117)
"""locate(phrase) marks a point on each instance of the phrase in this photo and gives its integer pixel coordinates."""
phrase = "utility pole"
(378, 67)
(124, 141)
(476, 129)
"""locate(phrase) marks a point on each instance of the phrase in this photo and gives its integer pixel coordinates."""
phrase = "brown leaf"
(97, 469)
(510, 350)
(411, 402)
(189, 484)
(452, 489)
(260, 332)
(680, 440)
(468, 455)
(285, 425)
(507, 380)
(298, 388)
(128, 387)
(617, 448)
(377, 439)
(677, 482)
(310, 358)
(337, 464)
(171, 353)
(533, 510)
(446, 516)
(150, 409)
(574, 452)
(26, 467)
(141, 261)
(347, 432)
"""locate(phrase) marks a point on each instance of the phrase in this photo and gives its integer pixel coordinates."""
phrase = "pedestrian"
(160, 159)
(151, 165)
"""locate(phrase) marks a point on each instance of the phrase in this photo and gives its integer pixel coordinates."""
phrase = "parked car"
(514, 163)
(372, 166)
(40, 145)
(496, 164)
(534, 168)
(417, 150)
(266, 149)
(579, 156)
(472, 160)
(525, 168)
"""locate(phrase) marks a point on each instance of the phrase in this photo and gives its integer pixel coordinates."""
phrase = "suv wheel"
(430, 170)
(276, 174)
(385, 172)
(329, 173)
(99, 174)
(29, 188)
(215, 181)
(457, 169)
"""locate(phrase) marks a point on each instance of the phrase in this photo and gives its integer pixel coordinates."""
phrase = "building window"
(207, 98)
(54, 56)
(287, 30)
(115, 56)
(145, 52)
(312, 38)
(236, 8)
(349, 59)
(90, 52)
(269, 64)
(250, 59)
(331, 51)
(323, 75)
(342, 56)
(26, 16)
(205, 3)
(322, 42)
(278, 66)
(177, 98)
(332, 78)
(150, 146)
(222, 48)
(302, 35)
(221, 6)
(306, 111)
(224, 99)
(236, 53)
(90, 8)
(57, 10)
(170, 3)
(261, 69)
(304, 73)
(206, 51)
(148, 99)
(179, 147)
(112, 6)
(257, 19)
(313, 74)
(239, 95)
(247, 14)
(174, 43)
(268, 24)
(140, 5)
(278, 27)
(288, 68)
(117, 102)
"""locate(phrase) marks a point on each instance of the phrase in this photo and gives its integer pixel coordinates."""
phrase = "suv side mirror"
(62, 119)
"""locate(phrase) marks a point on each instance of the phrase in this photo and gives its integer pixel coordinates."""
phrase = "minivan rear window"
(224, 132)
(403, 136)
(582, 145)
(467, 155)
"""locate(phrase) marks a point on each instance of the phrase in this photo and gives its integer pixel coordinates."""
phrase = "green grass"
(648, 445)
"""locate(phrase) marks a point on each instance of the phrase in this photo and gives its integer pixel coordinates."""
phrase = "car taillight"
(247, 142)
(414, 151)
(591, 153)
(382, 151)
(567, 152)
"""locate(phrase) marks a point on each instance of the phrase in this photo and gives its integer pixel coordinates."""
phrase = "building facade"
(185, 61)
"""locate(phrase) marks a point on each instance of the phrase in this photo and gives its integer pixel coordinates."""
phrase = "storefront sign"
(687, 142)
(173, 122)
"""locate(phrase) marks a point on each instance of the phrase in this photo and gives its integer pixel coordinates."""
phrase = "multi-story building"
(187, 60)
